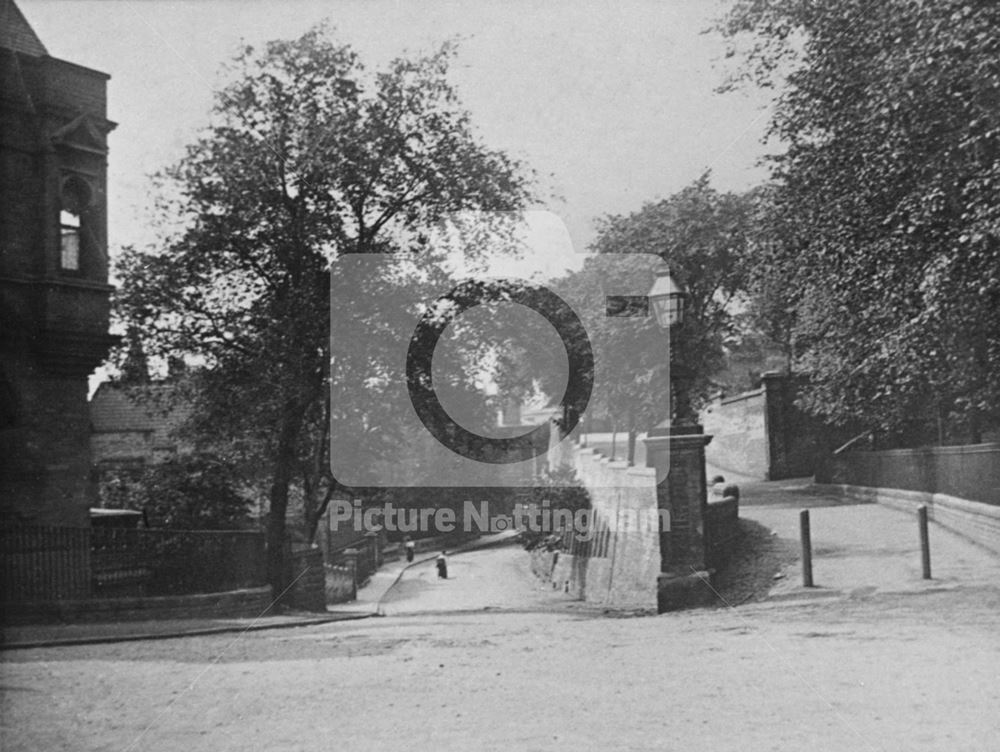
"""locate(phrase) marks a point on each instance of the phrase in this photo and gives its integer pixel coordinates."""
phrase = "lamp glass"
(667, 300)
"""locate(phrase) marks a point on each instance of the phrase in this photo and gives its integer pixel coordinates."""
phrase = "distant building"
(134, 426)
(137, 424)
(54, 292)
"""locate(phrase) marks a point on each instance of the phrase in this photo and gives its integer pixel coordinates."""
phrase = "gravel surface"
(758, 557)
(898, 672)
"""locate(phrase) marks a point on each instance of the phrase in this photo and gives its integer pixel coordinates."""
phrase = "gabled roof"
(16, 33)
(81, 133)
(117, 408)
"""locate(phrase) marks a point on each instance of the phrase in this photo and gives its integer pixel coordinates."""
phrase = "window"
(69, 224)
(73, 223)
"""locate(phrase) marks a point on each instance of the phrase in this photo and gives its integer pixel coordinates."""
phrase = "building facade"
(135, 426)
(54, 291)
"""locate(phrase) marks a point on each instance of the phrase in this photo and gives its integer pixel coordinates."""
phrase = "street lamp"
(668, 300)
(677, 451)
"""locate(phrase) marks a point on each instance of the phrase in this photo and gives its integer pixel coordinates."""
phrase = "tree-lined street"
(353, 291)
(494, 656)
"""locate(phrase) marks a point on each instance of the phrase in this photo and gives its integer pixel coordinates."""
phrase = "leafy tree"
(883, 237)
(187, 492)
(558, 489)
(631, 368)
(702, 235)
(307, 158)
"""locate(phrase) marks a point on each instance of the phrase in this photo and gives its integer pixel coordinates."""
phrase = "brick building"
(54, 292)
(134, 426)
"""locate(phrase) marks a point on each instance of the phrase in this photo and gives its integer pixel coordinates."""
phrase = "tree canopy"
(702, 236)
(308, 157)
(882, 231)
(189, 492)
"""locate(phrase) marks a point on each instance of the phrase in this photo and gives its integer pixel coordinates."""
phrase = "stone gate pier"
(655, 538)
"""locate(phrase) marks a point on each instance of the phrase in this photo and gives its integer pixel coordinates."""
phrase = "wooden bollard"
(807, 561)
(925, 541)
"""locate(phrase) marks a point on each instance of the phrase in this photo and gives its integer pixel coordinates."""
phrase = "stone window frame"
(76, 198)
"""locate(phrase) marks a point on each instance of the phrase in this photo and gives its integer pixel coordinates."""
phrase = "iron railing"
(53, 563)
(44, 563)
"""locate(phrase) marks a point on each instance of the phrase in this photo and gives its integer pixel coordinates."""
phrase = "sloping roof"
(117, 408)
(16, 33)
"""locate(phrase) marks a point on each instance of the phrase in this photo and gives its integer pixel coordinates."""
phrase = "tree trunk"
(316, 514)
(631, 446)
(313, 477)
(284, 462)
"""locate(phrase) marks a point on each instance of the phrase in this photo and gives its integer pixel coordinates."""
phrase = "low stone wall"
(340, 584)
(722, 519)
(247, 603)
(308, 591)
(973, 520)
(619, 565)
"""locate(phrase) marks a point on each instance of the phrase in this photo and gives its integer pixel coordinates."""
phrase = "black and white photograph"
(461, 375)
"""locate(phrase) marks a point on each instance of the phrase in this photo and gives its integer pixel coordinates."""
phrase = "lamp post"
(677, 451)
(669, 301)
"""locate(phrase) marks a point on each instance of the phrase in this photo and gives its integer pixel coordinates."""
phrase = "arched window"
(69, 226)
(75, 199)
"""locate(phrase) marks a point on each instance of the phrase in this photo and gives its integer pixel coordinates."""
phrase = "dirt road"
(901, 672)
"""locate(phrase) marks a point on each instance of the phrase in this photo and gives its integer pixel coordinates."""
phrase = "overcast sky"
(613, 104)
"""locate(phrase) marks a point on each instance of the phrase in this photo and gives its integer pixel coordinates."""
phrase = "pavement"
(860, 550)
(880, 674)
(366, 605)
(370, 597)
(873, 659)
(53, 635)
(490, 579)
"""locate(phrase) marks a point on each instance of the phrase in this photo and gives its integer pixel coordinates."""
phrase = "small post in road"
(807, 561)
(925, 541)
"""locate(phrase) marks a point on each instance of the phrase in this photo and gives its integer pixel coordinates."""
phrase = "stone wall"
(618, 567)
(762, 434)
(44, 455)
(248, 603)
(975, 521)
(738, 429)
(722, 519)
(960, 485)
(308, 591)
(53, 143)
(967, 472)
(340, 584)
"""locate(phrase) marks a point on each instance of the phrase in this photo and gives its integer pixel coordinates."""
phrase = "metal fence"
(52, 563)
(363, 564)
(44, 563)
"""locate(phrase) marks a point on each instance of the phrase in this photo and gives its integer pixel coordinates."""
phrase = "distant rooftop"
(118, 408)
(16, 33)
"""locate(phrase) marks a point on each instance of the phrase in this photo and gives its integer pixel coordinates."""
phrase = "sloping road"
(487, 578)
